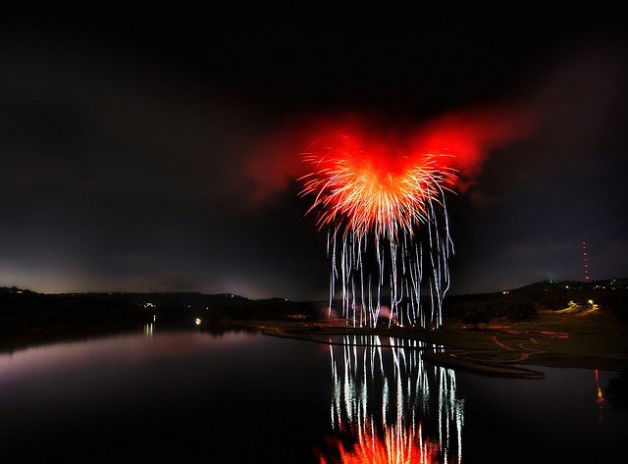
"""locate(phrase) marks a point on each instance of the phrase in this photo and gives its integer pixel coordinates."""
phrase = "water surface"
(240, 397)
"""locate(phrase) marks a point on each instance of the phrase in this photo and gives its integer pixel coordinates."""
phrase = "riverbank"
(501, 348)
(590, 339)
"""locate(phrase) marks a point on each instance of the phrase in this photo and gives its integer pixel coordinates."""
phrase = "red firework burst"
(366, 185)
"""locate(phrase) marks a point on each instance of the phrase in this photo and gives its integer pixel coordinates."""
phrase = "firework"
(384, 206)
(390, 407)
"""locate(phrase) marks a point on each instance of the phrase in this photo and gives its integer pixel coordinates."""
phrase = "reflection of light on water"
(391, 405)
(600, 394)
(599, 399)
(395, 447)
(148, 330)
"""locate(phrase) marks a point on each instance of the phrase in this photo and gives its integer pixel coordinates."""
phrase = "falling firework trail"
(390, 208)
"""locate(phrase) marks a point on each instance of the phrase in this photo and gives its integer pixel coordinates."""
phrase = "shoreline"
(504, 349)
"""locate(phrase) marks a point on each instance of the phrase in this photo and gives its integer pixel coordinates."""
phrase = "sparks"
(366, 191)
(384, 206)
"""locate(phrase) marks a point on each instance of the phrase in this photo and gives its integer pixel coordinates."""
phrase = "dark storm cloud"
(124, 140)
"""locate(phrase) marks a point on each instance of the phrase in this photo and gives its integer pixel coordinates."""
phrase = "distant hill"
(525, 302)
(27, 310)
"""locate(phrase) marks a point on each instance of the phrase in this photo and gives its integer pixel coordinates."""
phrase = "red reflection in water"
(600, 394)
(599, 397)
(395, 448)
(389, 407)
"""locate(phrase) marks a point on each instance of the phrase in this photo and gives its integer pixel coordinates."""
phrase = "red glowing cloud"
(460, 141)
(374, 183)
(469, 136)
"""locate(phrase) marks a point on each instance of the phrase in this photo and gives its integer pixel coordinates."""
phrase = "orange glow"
(395, 448)
(600, 394)
(373, 185)
(461, 140)
(371, 178)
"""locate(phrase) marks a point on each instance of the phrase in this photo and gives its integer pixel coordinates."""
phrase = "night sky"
(125, 136)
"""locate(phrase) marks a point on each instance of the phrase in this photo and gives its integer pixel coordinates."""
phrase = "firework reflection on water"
(389, 407)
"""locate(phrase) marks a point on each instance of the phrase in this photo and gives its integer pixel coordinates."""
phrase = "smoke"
(560, 119)
(276, 163)
(470, 135)
(466, 137)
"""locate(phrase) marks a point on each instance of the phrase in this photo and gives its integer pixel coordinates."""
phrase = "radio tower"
(585, 262)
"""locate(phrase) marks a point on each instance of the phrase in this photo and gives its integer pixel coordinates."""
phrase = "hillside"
(525, 302)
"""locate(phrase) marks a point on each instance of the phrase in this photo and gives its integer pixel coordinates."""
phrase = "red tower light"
(585, 262)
